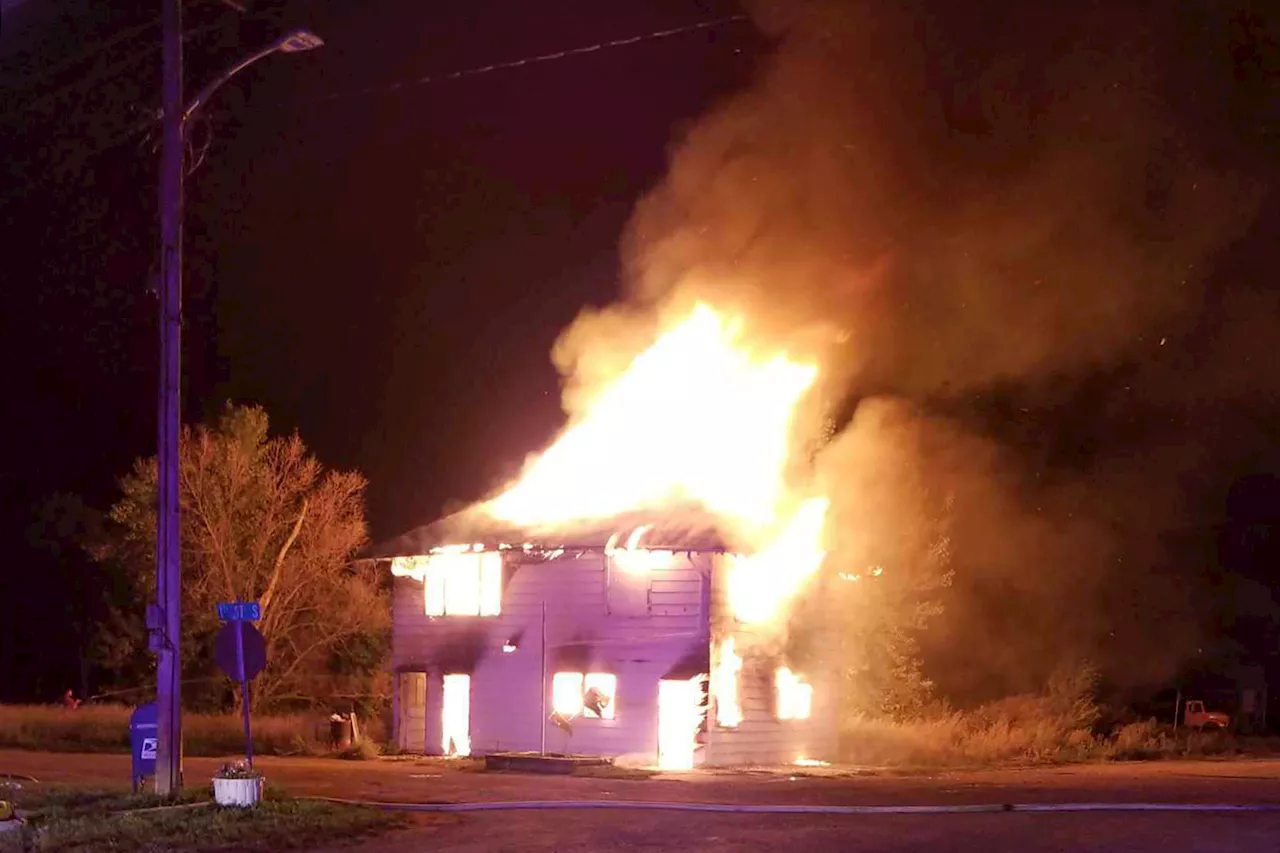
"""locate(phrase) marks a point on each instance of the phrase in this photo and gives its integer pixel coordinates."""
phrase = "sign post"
(244, 697)
(241, 652)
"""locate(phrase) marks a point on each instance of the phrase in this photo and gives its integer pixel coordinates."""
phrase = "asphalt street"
(425, 781)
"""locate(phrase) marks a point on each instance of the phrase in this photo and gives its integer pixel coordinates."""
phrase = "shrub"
(1053, 726)
(1026, 729)
(362, 750)
(1146, 739)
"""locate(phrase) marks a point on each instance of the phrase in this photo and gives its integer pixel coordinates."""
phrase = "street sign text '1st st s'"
(239, 611)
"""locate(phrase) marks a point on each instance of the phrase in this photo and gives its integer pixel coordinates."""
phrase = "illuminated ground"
(1256, 782)
(605, 832)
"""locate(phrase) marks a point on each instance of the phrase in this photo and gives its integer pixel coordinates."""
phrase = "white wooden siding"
(684, 611)
(761, 738)
(582, 636)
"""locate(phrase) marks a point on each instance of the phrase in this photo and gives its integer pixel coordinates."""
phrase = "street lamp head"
(298, 41)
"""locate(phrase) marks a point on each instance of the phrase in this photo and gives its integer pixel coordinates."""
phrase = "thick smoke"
(987, 222)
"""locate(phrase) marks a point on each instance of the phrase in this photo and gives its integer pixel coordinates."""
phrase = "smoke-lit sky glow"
(993, 215)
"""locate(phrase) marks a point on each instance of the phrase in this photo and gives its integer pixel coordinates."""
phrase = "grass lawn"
(63, 819)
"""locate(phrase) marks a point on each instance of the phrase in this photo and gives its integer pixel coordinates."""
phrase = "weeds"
(1057, 726)
(362, 750)
(105, 728)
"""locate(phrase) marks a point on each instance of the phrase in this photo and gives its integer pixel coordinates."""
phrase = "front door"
(679, 717)
(411, 727)
(455, 715)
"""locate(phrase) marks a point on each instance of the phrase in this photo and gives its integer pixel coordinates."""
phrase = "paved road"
(627, 832)
(607, 831)
(1255, 781)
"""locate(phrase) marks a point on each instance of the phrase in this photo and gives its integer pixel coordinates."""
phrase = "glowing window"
(566, 693)
(599, 690)
(433, 590)
(591, 695)
(795, 696)
(455, 715)
(463, 584)
(490, 583)
(724, 685)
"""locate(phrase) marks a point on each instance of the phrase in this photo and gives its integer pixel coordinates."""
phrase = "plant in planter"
(237, 784)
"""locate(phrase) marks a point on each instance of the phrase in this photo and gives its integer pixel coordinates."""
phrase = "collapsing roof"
(678, 529)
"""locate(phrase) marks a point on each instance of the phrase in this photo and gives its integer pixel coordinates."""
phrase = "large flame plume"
(703, 416)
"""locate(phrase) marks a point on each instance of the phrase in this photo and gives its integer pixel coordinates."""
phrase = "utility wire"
(104, 74)
(48, 73)
(136, 129)
(71, 62)
(529, 60)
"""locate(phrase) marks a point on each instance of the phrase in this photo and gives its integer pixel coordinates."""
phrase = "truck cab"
(1195, 716)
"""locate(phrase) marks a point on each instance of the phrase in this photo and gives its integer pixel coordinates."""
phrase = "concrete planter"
(237, 792)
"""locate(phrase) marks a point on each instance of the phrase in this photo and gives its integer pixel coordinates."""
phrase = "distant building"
(572, 645)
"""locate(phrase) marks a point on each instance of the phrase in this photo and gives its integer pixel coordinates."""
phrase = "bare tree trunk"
(265, 601)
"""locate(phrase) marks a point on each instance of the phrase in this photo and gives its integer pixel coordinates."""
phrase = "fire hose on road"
(734, 808)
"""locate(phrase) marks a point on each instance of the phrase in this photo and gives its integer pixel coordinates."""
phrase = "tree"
(889, 558)
(262, 520)
(63, 531)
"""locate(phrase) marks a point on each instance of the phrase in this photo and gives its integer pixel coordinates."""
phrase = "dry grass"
(957, 739)
(1025, 730)
(362, 750)
(1057, 726)
(105, 728)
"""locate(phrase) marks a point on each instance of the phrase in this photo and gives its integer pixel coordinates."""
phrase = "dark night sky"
(385, 272)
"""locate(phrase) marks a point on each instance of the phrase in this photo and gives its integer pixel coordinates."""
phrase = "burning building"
(629, 594)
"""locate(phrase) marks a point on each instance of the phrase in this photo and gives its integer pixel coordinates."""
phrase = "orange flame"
(695, 417)
(699, 417)
(761, 584)
(724, 685)
(681, 710)
(635, 559)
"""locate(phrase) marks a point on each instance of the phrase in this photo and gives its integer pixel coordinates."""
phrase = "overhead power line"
(528, 60)
(71, 62)
(133, 130)
(18, 84)
(21, 113)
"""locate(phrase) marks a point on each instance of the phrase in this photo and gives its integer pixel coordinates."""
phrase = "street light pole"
(168, 543)
(165, 620)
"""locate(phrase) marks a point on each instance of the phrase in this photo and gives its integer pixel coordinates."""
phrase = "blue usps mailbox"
(144, 726)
